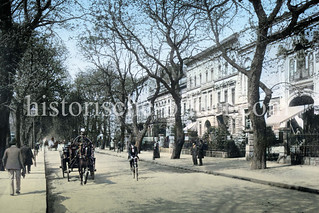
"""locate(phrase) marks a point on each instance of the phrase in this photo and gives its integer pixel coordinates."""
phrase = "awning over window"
(191, 126)
(287, 114)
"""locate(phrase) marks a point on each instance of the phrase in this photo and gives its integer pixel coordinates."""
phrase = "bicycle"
(134, 168)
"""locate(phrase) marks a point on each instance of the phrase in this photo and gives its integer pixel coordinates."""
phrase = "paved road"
(165, 189)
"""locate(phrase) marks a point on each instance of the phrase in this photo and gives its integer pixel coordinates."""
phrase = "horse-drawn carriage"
(79, 154)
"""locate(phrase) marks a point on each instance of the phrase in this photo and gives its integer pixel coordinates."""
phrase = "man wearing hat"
(27, 157)
(12, 161)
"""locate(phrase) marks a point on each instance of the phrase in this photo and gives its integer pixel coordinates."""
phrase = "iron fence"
(306, 145)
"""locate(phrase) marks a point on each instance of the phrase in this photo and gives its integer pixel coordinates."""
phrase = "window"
(247, 120)
(163, 113)
(194, 81)
(226, 96)
(301, 67)
(169, 111)
(184, 107)
(234, 125)
(212, 74)
(206, 77)
(190, 81)
(310, 64)
(211, 100)
(226, 68)
(200, 79)
(218, 97)
(199, 104)
(233, 95)
(220, 71)
(291, 69)
(270, 111)
(205, 101)
(194, 104)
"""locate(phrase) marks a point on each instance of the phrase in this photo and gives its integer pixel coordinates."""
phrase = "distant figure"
(194, 153)
(200, 150)
(156, 153)
(27, 156)
(36, 149)
(12, 161)
(51, 143)
(119, 146)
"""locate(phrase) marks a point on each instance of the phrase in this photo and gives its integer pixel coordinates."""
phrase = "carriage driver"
(79, 142)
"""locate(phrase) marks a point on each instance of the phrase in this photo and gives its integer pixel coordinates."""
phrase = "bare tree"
(270, 22)
(161, 35)
(119, 78)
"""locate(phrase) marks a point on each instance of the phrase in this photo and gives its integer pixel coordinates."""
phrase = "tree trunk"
(179, 132)
(5, 98)
(256, 111)
(18, 124)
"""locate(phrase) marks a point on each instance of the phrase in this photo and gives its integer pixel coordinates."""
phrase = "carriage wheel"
(68, 171)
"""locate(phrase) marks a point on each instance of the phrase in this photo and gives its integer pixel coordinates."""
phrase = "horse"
(86, 161)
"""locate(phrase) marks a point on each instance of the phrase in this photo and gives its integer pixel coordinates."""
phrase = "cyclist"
(132, 153)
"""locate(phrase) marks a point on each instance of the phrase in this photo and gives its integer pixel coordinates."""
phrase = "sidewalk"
(297, 177)
(33, 190)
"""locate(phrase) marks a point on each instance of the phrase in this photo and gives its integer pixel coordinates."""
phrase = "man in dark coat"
(27, 156)
(12, 161)
(194, 153)
(200, 150)
(156, 153)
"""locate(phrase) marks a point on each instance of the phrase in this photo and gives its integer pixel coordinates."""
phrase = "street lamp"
(33, 112)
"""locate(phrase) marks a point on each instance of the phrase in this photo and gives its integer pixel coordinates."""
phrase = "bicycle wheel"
(133, 171)
(62, 168)
(68, 171)
(136, 172)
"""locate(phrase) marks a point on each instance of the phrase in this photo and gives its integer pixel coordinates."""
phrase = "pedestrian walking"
(119, 146)
(194, 153)
(200, 150)
(12, 161)
(156, 153)
(27, 157)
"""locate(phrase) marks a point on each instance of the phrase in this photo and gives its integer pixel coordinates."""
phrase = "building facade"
(214, 93)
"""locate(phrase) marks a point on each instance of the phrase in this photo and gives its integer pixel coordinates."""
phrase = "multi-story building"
(214, 93)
